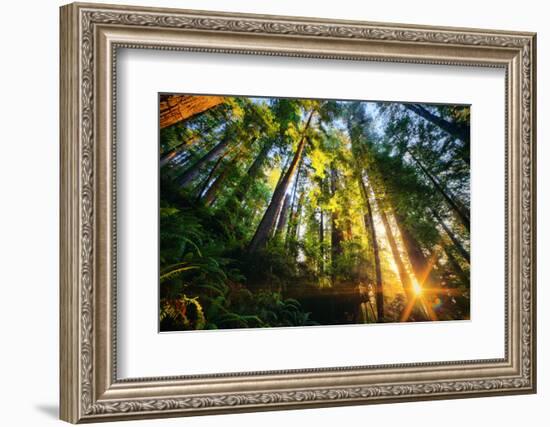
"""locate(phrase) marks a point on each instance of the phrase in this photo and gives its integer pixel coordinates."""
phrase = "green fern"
(175, 270)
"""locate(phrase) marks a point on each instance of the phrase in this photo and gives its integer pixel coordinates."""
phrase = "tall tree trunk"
(336, 237)
(253, 172)
(170, 155)
(268, 220)
(456, 266)
(416, 256)
(295, 185)
(211, 194)
(336, 234)
(204, 185)
(458, 245)
(369, 224)
(463, 216)
(283, 216)
(281, 177)
(421, 268)
(403, 275)
(287, 162)
(416, 306)
(292, 196)
(460, 132)
(321, 241)
(296, 205)
(176, 108)
(294, 222)
(349, 232)
(191, 173)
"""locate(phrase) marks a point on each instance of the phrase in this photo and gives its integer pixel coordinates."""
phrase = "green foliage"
(181, 313)
(205, 289)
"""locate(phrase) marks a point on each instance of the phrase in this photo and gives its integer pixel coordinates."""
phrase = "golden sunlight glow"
(416, 287)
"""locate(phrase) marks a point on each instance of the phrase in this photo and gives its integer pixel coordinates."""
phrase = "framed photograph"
(266, 212)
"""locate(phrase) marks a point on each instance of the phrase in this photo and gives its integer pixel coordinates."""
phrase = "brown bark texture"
(176, 108)
(268, 220)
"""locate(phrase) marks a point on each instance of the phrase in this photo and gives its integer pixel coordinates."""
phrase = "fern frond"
(175, 270)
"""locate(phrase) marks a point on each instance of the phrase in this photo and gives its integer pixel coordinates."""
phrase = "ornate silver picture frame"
(91, 34)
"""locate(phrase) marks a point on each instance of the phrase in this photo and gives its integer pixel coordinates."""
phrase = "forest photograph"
(286, 212)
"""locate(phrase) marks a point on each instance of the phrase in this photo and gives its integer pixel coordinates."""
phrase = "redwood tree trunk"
(461, 214)
(458, 245)
(295, 185)
(336, 234)
(294, 222)
(174, 109)
(213, 171)
(283, 216)
(212, 192)
(167, 158)
(322, 240)
(253, 171)
(268, 220)
(369, 224)
(170, 155)
(416, 256)
(191, 173)
(460, 132)
(403, 275)
(417, 309)
(456, 266)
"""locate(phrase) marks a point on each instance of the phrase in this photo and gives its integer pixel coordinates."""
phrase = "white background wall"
(29, 170)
